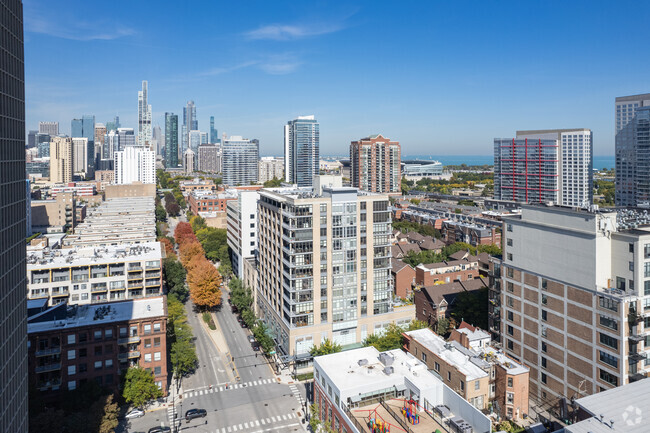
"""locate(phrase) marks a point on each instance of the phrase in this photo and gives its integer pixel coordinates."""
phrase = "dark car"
(160, 429)
(195, 413)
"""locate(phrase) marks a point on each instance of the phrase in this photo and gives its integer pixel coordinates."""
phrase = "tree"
(188, 250)
(167, 245)
(183, 232)
(109, 420)
(261, 333)
(442, 326)
(314, 421)
(325, 348)
(205, 282)
(161, 214)
(273, 183)
(47, 420)
(197, 222)
(139, 387)
(472, 308)
(183, 357)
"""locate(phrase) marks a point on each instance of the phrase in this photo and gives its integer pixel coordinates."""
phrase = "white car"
(135, 413)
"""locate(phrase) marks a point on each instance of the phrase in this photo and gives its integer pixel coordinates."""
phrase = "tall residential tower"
(13, 270)
(376, 164)
(301, 150)
(144, 116)
(239, 160)
(171, 140)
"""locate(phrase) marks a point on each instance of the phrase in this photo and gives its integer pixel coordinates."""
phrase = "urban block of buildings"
(361, 389)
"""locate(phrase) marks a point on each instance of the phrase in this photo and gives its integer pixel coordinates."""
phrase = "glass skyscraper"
(214, 134)
(171, 140)
(85, 128)
(189, 123)
(301, 150)
(13, 268)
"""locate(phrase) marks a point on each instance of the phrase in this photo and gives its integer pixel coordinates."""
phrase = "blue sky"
(441, 77)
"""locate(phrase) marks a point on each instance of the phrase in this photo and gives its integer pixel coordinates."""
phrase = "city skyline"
(436, 74)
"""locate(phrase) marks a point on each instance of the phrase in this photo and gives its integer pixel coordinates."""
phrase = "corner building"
(575, 298)
(324, 267)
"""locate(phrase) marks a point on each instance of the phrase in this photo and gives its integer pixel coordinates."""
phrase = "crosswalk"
(260, 425)
(222, 388)
(296, 392)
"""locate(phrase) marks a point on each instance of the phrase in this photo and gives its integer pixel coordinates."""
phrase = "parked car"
(256, 346)
(160, 429)
(195, 413)
(251, 339)
(135, 413)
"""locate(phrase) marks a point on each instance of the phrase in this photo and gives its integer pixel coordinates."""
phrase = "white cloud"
(279, 32)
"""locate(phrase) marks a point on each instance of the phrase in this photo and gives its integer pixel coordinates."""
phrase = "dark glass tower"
(171, 140)
(301, 150)
(13, 283)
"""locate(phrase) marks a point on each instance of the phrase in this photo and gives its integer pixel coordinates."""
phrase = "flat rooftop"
(448, 353)
(209, 195)
(391, 413)
(85, 256)
(624, 409)
(307, 192)
(107, 312)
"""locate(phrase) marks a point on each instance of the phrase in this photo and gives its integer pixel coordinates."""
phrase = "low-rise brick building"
(403, 278)
(446, 272)
(69, 345)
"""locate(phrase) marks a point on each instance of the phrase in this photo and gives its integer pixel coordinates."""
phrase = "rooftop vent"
(388, 370)
(386, 358)
(363, 362)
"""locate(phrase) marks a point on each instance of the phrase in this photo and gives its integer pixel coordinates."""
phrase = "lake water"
(600, 161)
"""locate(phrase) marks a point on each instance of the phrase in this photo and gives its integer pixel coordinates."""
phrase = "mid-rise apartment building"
(71, 344)
(208, 201)
(49, 128)
(241, 217)
(239, 158)
(135, 164)
(324, 266)
(543, 166)
(209, 158)
(376, 164)
(479, 373)
(301, 150)
(91, 274)
(270, 168)
(575, 294)
(55, 215)
(631, 145)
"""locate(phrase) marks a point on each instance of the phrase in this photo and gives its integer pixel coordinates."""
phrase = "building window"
(510, 256)
(608, 303)
(510, 301)
(608, 359)
(544, 331)
(147, 329)
(544, 347)
(609, 323)
(98, 365)
(449, 376)
(98, 350)
(620, 282)
(630, 266)
(71, 354)
(156, 327)
(424, 357)
(108, 333)
(156, 356)
(510, 287)
(71, 338)
(544, 315)
(509, 227)
(544, 299)
(157, 371)
(510, 273)
(477, 385)
(436, 367)
(543, 362)
(608, 377)
(510, 398)
(510, 345)
(108, 363)
(72, 385)
(646, 288)
(630, 247)
(544, 284)
(147, 343)
(608, 341)
(462, 385)
(510, 330)
(543, 377)
(156, 342)
(72, 369)
(147, 357)
(509, 242)
(510, 382)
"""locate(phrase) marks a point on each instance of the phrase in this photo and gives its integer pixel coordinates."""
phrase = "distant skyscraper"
(80, 156)
(144, 116)
(214, 134)
(270, 168)
(114, 125)
(31, 138)
(158, 140)
(189, 122)
(204, 138)
(85, 127)
(171, 140)
(194, 140)
(135, 164)
(301, 150)
(111, 144)
(50, 128)
(552, 165)
(239, 161)
(629, 151)
(126, 137)
(100, 133)
(376, 164)
(13, 271)
(61, 160)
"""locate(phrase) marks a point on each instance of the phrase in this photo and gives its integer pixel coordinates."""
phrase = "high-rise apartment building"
(114, 125)
(100, 136)
(126, 137)
(209, 158)
(61, 160)
(270, 168)
(214, 134)
(301, 150)
(171, 140)
(158, 140)
(631, 149)
(239, 160)
(188, 160)
(13, 320)
(324, 266)
(542, 166)
(194, 140)
(135, 164)
(144, 116)
(575, 292)
(189, 123)
(80, 156)
(241, 217)
(49, 128)
(111, 144)
(85, 128)
(376, 164)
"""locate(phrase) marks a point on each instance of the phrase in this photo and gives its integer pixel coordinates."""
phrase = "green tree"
(314, 421)
(472, 308)
(442, 326)
(183, 357)
(261, 333)
(139, 387)
(273, 183)
(325, 348)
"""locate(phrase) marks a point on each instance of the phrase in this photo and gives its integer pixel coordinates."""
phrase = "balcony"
(635, 337)
(132, 354)
(60, 293)
(134, 277)
(636, 377)
(49, 351)
(637, 356)
(48, 367)
(98, 288)
(149, 267)
(135, 285)
(134, 339)
(135, 269)
(151, 283)
(152, 275)
(50, 384)
(117, 288)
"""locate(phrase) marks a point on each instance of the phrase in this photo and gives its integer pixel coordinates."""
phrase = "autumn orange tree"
(205, 282)
(169, 247)
(189, 250)
(184, 233)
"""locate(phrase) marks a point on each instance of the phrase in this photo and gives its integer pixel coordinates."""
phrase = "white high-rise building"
(239, 160)
(241, 215)
(49, 128)
(553, 165)
(135, 164)
(270, 168)
(79, 155)
(195, 140)
(188, 160)
(144, 116)
(301, 150)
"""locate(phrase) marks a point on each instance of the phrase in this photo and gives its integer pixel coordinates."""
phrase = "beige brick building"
(574, 295)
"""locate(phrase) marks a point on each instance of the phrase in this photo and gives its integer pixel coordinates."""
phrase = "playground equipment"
(410, 411)
(378, 426)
